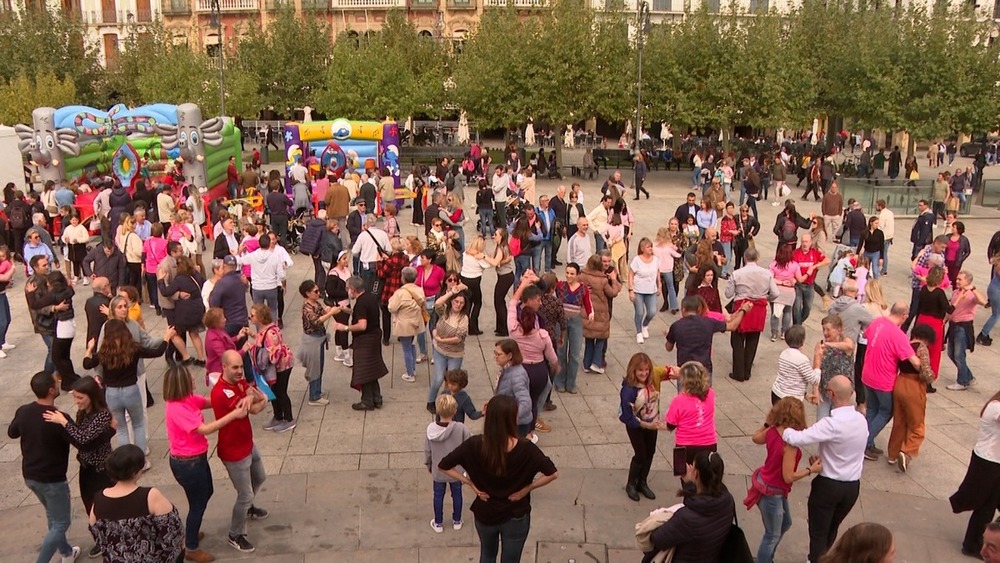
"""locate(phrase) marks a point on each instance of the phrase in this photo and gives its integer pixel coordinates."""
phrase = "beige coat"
(600, 290)
(407, 306)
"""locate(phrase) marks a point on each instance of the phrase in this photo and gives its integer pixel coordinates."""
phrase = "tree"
(404, 74)
(287, 60)
(35, 41)
(19, 97)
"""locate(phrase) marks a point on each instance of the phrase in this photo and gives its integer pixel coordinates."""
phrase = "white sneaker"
(645, 332)
(436, 527)
(407, 378)
(338, 354)
(957, 387)
(3, 354)
(457, 525)
(348, 359)
(639, 339)
(8, 346)
(72, 557)
(534, 438)
(597, 369)
(86, 281)
(147, 467)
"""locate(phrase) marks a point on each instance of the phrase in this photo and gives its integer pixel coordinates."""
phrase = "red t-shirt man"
(235, 438)
(806, 259)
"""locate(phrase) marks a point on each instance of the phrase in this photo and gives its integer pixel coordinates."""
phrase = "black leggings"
(91, 481)
(386, 323)
(644, 449)
(281, 404)
(281, 304)
(78, 268)
(538, 379)
(340, 336)
(504, 282)
(63, 362)
(151, 292)
(475, 286)
(859, 361)
(133, 276)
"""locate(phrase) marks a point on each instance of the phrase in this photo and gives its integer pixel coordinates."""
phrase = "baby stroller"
(297, 226)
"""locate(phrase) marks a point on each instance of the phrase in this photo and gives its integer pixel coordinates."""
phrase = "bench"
(622, 158)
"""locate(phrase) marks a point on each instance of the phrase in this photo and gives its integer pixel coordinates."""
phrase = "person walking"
(44, 461)
(771, 483)
(236, 448)
(887, 223)
(501, 470)
(980, 489)
(887, 347)
(754, 285)
(810, 259)
(407, 308)
(186, 434)
(841, 438)
(643, 287)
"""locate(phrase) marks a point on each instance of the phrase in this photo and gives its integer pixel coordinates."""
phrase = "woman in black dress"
(368, 365)
(419, 186)
(188, 312)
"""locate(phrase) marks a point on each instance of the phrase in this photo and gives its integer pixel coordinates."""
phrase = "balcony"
(366, 4)
(519, 4)
(465, 4)
(229, 6)
(176, 7)
(105, 17)
(424, 4)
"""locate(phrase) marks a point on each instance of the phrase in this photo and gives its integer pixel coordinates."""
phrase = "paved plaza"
(351, 486)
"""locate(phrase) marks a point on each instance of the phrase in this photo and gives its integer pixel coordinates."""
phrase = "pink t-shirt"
(249, 245)
(965, 306)
(694, 419)
(887, 346)
(665, 253)
(183, 419)
(155, 249)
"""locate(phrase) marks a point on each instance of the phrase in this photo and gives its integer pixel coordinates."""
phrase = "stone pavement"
(349, 486)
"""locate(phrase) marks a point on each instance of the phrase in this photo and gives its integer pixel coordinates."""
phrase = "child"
(250, 243)
(861, 274)
(391, 226)
(75, 237)
(843, 269)
(442, 438)
(456, 381)
(796, 375)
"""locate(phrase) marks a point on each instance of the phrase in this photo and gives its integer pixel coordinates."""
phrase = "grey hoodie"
(854, 315)
(441, 441)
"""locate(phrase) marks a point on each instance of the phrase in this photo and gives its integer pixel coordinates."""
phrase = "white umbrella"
(568, 140)
(529, 134)
(463, 129)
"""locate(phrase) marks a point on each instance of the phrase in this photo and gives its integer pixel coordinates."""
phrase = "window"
(426, 34)
(661, 5)
(111, 50)
(713, 6)
(758, 6)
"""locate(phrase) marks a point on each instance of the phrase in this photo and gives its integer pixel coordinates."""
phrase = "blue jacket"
(514, 383)
(547, 218)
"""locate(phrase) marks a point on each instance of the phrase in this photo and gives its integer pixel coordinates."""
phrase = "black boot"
(642, 486)
(633, 479)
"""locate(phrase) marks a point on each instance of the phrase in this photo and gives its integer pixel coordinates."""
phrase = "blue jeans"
(777, 520)
(409, 354)
(486, 222)
(957, 347)
(233, 187)
(536, 258)
(786, 321)
(55, 498)
(569, 354)
(132, 400)
(885, 256)
(50, 366)
(521, 264)
(456, 501)
(727, 249)
(195, 477)
(645, 310)
(268, 296)
(545, 254)
(316, 385)
(511, 534)
(599, 244)
(4, 317)
(879, 412)
(696, 176)
(803, 303)
(875, 269)
(993, 294)
(442, 365)
(422, 337)
(593, 352)
(667, 282)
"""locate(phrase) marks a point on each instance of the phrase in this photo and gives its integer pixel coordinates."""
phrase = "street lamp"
(216, 22)
(641, 29)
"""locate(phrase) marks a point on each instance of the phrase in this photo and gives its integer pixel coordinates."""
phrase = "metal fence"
(899, 197)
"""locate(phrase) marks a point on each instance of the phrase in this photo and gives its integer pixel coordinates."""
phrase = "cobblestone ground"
(349, 486)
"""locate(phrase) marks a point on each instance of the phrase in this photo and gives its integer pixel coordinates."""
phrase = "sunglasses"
(453, 280)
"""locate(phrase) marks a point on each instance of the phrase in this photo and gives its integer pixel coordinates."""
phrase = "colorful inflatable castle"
(342, 147)
(72, 142)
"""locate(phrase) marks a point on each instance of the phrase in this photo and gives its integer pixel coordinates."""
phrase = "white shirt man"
(841, 439)
(578, 247)
(365, 248)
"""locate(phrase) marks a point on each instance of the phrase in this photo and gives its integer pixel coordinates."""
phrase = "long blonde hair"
(873, 294)
(662, 235)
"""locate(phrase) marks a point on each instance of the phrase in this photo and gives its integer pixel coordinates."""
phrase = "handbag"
(735, 548)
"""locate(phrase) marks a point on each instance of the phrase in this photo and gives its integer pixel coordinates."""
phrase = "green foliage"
(20, 96)
(37, 41)
(287, 61)
(392, 73)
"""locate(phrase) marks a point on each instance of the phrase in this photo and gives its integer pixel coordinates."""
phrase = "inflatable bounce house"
(342, 147)
(73, 142)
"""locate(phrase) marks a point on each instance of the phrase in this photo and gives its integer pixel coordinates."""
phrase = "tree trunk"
(559, 146)
(911, 144)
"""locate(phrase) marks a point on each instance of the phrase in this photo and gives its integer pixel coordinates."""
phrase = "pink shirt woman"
(155, 249)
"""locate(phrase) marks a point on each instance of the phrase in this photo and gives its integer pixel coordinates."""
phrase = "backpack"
(789, 230)
(18, 219)
(266, 362)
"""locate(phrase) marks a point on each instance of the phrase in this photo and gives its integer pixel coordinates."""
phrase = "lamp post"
(641, 28)
(216, 22)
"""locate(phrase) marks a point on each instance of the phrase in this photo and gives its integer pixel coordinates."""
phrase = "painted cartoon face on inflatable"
(190, 135)
(340, 129)
(46, 145)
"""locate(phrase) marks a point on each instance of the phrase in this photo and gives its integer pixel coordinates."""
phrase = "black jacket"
(188, 312)
(354, 223)
(99, 264)
(312, 237)
(682, 213)
(922, 232)
(856, 223)
(698, 530)
(558, 206)
(367, 193)
(95, 318)
(221, 248)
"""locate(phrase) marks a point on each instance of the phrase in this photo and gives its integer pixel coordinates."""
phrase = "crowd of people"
(373, 285)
